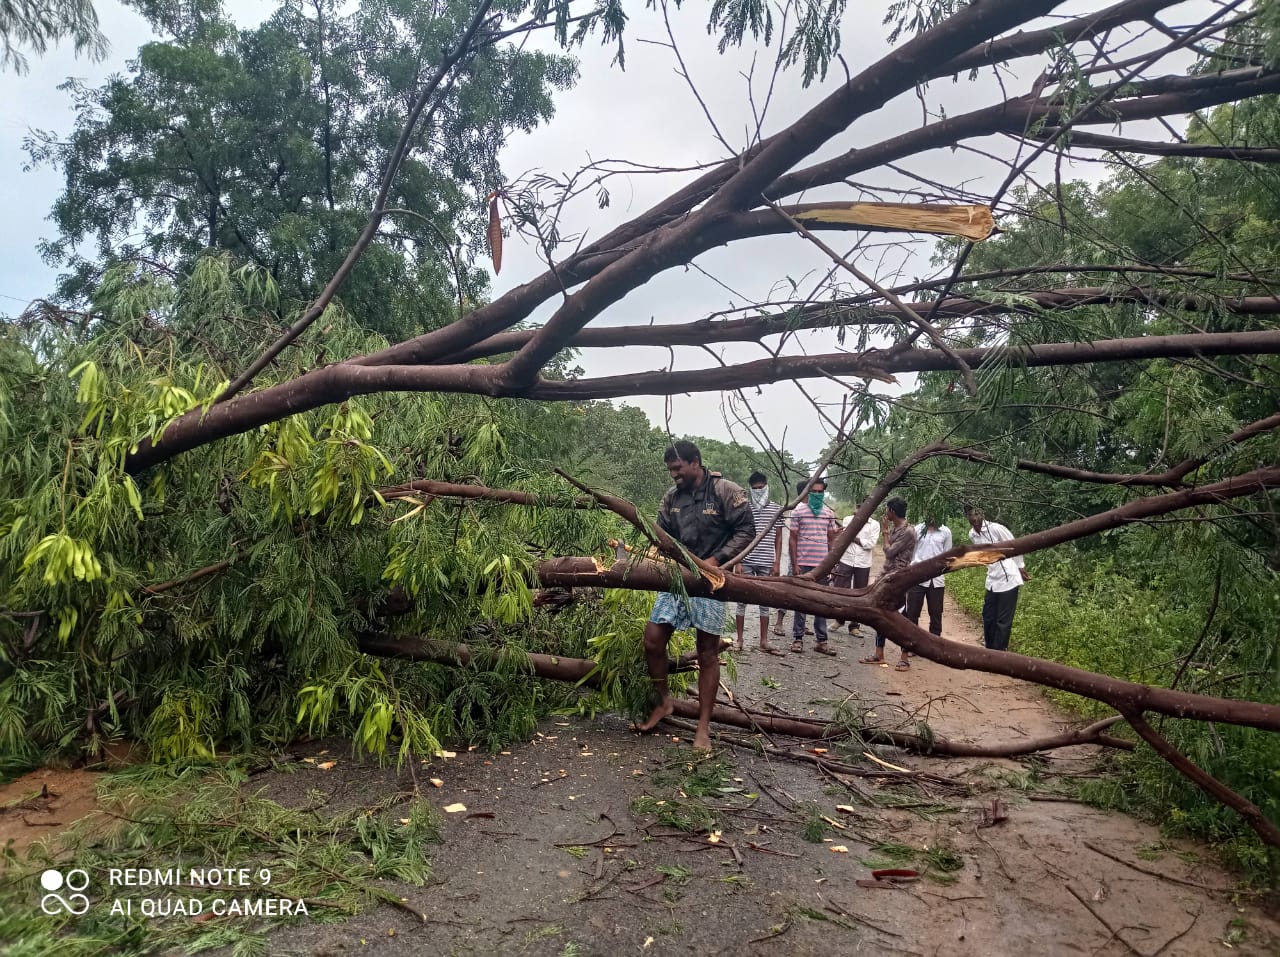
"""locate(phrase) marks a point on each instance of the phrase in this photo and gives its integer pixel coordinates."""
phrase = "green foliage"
(38, 23)
(692, 794)
(692, 816)
(942, 859)
(815, 826)
(620, 684)
(214, 603)
(1129, 602)
(269, 143)
(813, 40)
(675, 873)
(736, 462)
(916, 16)
(699, 778)
(615, 448)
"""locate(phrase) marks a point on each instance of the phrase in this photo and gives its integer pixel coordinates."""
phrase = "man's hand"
(713, 561)
(777, 569)
(1023, 573)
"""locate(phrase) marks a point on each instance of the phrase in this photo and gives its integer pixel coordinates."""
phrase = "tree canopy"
(269, 143)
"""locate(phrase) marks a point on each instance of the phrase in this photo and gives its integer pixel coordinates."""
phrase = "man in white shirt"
(854, 568)
(1004, 581)
(932, 539)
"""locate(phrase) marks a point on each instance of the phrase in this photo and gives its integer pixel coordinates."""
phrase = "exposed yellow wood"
(974, 559)
(970, 221)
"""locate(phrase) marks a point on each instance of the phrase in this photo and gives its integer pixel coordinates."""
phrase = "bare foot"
(663, 710)
(702, 740)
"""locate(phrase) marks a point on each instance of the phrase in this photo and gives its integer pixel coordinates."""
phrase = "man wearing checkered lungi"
(709, 516)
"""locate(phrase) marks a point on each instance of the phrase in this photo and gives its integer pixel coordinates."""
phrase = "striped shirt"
(810, 532)
(764, 554)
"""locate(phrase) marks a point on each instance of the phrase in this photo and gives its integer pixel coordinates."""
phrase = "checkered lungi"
(681, 612)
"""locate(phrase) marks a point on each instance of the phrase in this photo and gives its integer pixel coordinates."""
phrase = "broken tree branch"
(874, 607)
(583, 671)
(1251, 813)
(555, 667)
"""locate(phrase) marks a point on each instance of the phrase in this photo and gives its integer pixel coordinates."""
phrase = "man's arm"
(1001, 534)
(868, 535)
(737, 515)
(946, 538)
(792, 544)
(777, 547)
(1017, 559)
(667, 520)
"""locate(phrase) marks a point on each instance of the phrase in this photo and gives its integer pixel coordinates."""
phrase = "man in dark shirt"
(710, 517)
(899, 546)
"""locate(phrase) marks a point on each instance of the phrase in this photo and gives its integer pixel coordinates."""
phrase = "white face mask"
(759, 496)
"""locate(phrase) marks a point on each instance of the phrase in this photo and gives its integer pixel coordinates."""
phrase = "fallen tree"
(177, 418)
(586, 672)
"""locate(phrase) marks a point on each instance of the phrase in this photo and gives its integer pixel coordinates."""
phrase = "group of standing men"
(716, 519)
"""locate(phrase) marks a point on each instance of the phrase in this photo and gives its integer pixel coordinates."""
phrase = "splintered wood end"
(974, 559)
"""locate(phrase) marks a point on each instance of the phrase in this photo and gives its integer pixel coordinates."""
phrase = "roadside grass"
(329, 866)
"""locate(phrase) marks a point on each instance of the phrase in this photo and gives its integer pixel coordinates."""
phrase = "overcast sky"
(646, 114)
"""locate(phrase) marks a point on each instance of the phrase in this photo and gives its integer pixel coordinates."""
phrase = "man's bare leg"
(656, 637)
(764, 633)
(708, 686)
(741, 621)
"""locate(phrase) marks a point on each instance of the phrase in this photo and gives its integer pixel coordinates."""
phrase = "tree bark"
(342, 381)
(856, 312)
(556, 667)
(581, 671)
(875, 606)
(1251, 813)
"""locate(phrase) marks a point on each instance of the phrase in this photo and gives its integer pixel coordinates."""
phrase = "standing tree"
(274, 143)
